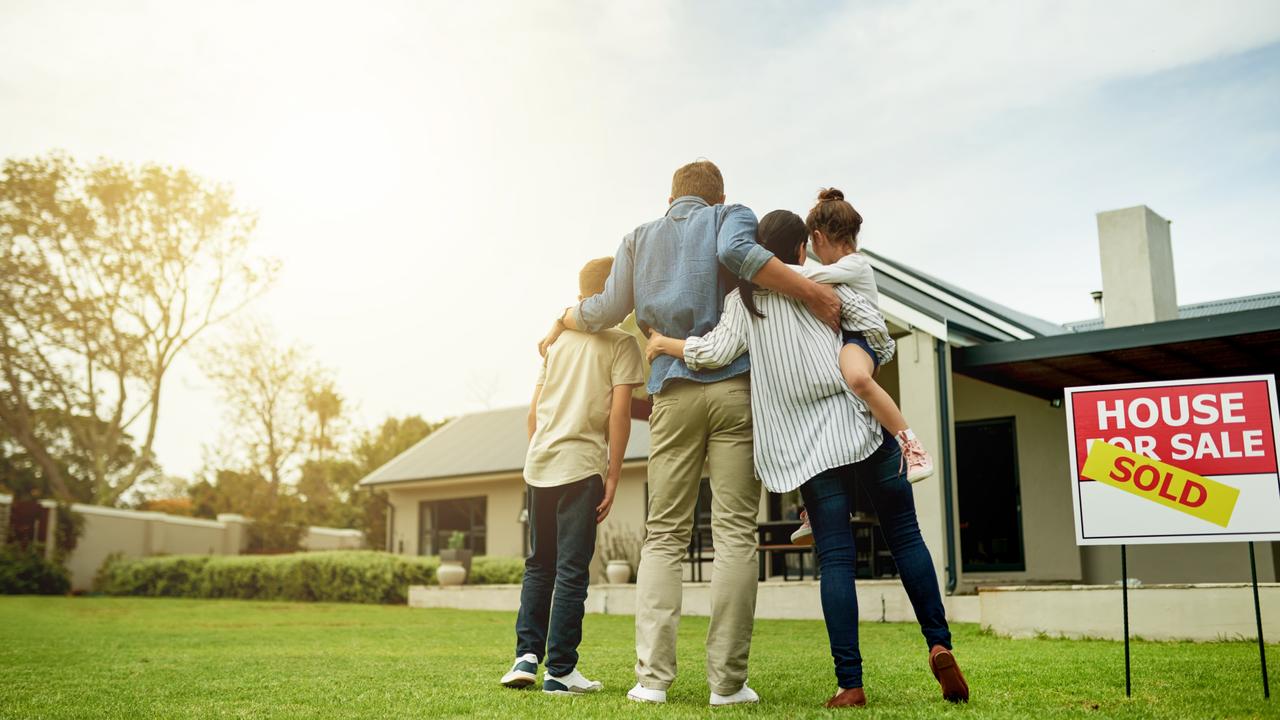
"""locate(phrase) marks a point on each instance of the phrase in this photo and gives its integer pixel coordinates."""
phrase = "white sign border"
(1077, 519)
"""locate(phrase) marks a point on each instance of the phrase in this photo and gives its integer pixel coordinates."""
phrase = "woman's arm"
(857, 313)
(726, 341)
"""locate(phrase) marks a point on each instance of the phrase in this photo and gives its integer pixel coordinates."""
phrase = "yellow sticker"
(1161, 483)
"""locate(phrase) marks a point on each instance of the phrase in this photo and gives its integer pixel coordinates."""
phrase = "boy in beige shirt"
(579, 424)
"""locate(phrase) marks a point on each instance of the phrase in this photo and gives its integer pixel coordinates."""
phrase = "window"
(990, 496)
(439, 519)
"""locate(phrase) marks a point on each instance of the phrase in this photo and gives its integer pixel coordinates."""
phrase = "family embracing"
(762, 377)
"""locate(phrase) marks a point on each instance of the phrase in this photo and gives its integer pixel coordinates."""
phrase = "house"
(982, 384)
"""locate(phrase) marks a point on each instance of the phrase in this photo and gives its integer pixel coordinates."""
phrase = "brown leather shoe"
(853, 697)
(947, 671)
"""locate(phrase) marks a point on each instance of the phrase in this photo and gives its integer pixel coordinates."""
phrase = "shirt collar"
(683, 205)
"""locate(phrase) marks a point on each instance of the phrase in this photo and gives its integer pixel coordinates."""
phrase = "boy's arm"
(619, 435)
(533, 410)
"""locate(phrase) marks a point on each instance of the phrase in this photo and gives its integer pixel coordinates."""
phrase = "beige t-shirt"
(577, 379)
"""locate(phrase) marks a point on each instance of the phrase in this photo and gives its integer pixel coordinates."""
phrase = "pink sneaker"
(804, 534)
(915, 460)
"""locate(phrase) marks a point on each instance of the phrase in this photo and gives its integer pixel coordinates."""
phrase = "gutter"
(944, 407)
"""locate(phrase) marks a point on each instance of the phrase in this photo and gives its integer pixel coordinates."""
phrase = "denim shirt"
(675, 272)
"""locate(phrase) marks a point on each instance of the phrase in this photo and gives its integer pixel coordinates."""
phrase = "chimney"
(1097, 304)
(1137, 267)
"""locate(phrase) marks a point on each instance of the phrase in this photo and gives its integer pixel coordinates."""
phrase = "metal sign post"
(1257, 613)
(1124, 593)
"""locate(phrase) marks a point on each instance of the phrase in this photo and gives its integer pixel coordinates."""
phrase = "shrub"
(487, 570)
(24, 571)
(339, 576)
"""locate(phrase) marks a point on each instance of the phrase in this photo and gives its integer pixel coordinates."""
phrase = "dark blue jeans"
(562, 529)
(828, 498)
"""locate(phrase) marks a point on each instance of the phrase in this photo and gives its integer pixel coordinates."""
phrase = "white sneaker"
(523, 673)
(803, 535)
(917, 462)
(572, 684)
(640, 693)
(743, 697)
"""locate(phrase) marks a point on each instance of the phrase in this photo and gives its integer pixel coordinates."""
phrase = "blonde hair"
(594, 273)
(700, 178)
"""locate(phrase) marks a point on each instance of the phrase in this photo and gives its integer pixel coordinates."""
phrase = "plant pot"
(458, 556)
(618, 572)
(451, 574)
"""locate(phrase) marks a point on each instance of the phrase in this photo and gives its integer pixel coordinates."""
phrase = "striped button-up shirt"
(806, 418)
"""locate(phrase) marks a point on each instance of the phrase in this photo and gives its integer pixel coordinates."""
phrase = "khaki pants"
(692, 423)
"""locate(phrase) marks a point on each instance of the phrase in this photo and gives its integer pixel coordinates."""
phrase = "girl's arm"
(857, 313)
(716, 349)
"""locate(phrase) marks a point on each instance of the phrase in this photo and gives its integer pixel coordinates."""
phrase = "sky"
(432, 175)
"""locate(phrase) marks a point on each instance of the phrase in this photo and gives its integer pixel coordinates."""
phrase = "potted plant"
(455, 561)
(619, 549)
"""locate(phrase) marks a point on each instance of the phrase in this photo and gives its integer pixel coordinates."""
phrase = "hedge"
(24, 571)
(339, 576)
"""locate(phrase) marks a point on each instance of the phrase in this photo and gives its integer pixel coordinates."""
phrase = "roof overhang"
(1211, 346)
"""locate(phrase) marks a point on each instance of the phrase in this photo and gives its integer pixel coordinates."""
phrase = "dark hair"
(835, 217)
(781, 232)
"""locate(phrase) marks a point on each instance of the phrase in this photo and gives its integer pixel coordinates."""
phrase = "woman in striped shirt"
(813, 433)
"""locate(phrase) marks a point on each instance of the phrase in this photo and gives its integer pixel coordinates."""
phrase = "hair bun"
(830, 194)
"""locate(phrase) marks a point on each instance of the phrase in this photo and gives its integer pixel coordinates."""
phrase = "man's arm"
(619, 435)
(737, 249)
(533, 410)
(605, 310)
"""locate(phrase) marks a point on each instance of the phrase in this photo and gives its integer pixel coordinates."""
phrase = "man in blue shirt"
(674, 273)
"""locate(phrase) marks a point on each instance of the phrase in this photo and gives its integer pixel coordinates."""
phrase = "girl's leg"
(827, 500)
(857, 367)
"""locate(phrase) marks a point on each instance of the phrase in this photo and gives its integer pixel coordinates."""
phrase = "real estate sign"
(1175, 462)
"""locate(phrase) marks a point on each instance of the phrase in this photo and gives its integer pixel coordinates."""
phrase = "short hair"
(700, 178)
(594, 273)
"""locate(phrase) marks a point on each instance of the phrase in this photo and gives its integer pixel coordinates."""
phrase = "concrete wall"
(1170, 612)
(1188, 563)
(1048, 527)
(143, 534)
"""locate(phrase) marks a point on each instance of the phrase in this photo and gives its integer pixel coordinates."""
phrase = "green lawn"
(130, 658)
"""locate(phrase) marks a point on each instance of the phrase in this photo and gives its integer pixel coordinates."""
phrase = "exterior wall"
(1187, 563)
(917, 385)
(1048, 528)
(505, 499)
(143, 534)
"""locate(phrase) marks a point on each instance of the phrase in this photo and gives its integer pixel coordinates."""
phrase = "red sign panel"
(1219, 428)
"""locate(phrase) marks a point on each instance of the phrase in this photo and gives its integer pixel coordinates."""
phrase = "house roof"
(965, 313)
(482, 443)
(1216, 345)
(1213, 307)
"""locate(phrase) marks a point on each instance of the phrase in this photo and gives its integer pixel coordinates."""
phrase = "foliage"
(124, 658)
(111, 271)
(339, 576)
(488, 570)
(25, 571)
(27, 526)
(457, 540)
(275, 532)
(620, 543)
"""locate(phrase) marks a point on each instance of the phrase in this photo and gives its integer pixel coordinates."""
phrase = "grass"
(138, 657)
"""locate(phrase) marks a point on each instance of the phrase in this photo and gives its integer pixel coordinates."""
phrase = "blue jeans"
(562, 529)
(828, 498)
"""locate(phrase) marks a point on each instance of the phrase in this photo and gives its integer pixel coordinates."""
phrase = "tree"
(264, 385)
(110, 272)
(324, 402)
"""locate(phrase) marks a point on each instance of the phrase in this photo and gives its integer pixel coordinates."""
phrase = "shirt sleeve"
(858, 314)
(726, 341)
(627, 366)
(736, 245)
(849, 270)
(617, 300)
